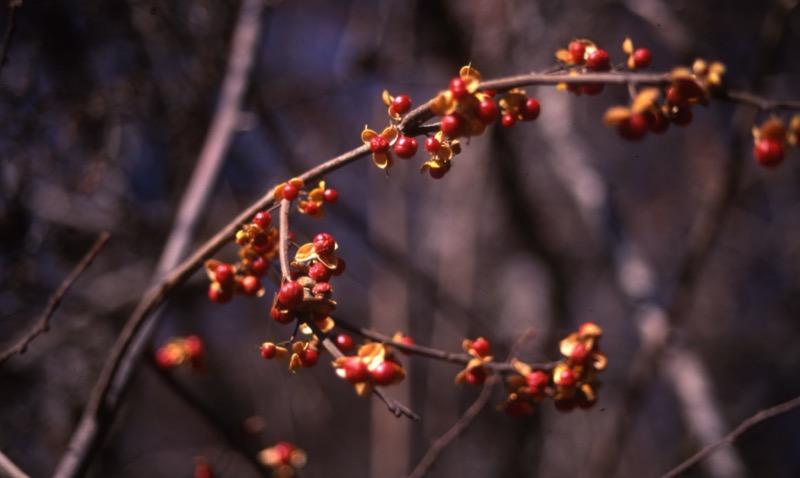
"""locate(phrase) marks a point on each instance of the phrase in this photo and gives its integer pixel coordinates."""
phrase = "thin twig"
(55, 300)
(743, 427)
(9, 469)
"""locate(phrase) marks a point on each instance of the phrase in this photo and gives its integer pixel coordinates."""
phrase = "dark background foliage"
(104, 107)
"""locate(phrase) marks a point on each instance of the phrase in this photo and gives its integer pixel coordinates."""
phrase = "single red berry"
(675, 96)
(224, 274)
(378, 144)
(281, 317)
(476, 376)
(598, 60)
(566, 378)
(438, 173)
(531, 109)
(312, 208)
(259, 266)
(345, 343)
(330, 196)
(453, 125)
(459, 89)
(518, 407)
(642, 58)
(268, 350)
(220, 295)
(308, 357)
(289, 192)
(263, 219)
(482, 347)
(633, 128)
(768, 152)
(290, 294)
(408, 341)
(164, 358)
(592, 89)
(537, 382)
(487, 111)
(405, 147)
(355, 370)
(324, 243)
(432, 145)
(319, 272)
(340, 266)
(577, 50)
(508, 120)
(401, 104)
(193, 346)
(580, 354)
(657, 123)
(682, 115)
(386, 373)
(251, 285)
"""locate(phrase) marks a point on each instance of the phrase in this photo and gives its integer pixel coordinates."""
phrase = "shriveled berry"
(482, 347)
(531, 109)
(289, 192)
(508, 120)
(224, 274)
(642, 58)
(577, 51)
(633, 128)
(321, 288)
(453, 125)
(598, 60)
(324, 243)
(330, 196)
(476, 376)
(386, 373)
(432, 145)
(290, 294)
(487, 111)
(458, 89)
(401, 104)
(378, 144)
(355, 370)
(263, 219)
(768, 152)
(345, 343)
(319, 272)
(251, 285)
(405, 147)
(268, 350)
(308, 357)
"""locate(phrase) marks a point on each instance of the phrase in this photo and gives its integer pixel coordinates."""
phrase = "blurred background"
(105, 107)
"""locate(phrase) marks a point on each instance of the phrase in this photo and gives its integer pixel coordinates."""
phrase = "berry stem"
(283, 237)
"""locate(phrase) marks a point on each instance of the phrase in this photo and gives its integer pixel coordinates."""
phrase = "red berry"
(592, 89)
(598, 60)
(438, 173)
(531, 109)
(259, 266)
(324, 243)
(566, 378)
(401, 104)
(319, 272)
(251, 285)
(642, 58)
(330, 196)
(268, 350)
(682, 115)
(378, 144)
(508, 120)
(577, 50)
(321, 288)
(768, 152)
(476, 375)
(312, 208)
(537, 382)
(487, 111)
(657, 123)
(340, 266)
(405, 147)
(345, 343)
(386, 373)
(580, 354)
(224, 274)
(459, 89)
(290, 294)
(263, 219)
(432, 145)
(482, 347)
(355, 370)
(633, 128)
(308, 357)
(289, 192)
(203, 470)
(220, 295)
(281, 317)
(453, 125)
(193, 346)
(675, 96)
(164, 358)
(408, 341)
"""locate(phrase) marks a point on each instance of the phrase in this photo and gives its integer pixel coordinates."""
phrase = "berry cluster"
(284, 458)
(770, 140)
(311, 202)
(258, 241)
(375, 364)
(572, 383)
(582, 56)
(476, 371)
(182, 351)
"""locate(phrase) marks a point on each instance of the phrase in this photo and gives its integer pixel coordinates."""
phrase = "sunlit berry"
(319, 272)
(251, 285)
(405, 147)
(324, 243)
(355, 370)
(633, 128)
(290, 294)
(401, 104)
(530, 110)
(330, 196)
(565, 378)
(289, 192)
(453, 125)
(386, 373)
(482, 347)
(598, 60)
(487, 111)
(432, 145)
(458, 89)
(378, 144)
(268, 350)
(642, 58)
(508, 120)
(768, 152)
(165, 358)
(263, 219)
(345, 343)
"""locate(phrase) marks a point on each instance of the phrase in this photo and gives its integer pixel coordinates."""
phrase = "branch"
(9, 469)
(55, 300)
(732, 436)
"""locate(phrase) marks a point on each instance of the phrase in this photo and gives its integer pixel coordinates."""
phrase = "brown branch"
(283, 239)
(743, 427)
(9, 469)
(55, 300)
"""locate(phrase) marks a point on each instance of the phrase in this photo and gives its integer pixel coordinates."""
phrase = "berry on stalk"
(405, 147)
